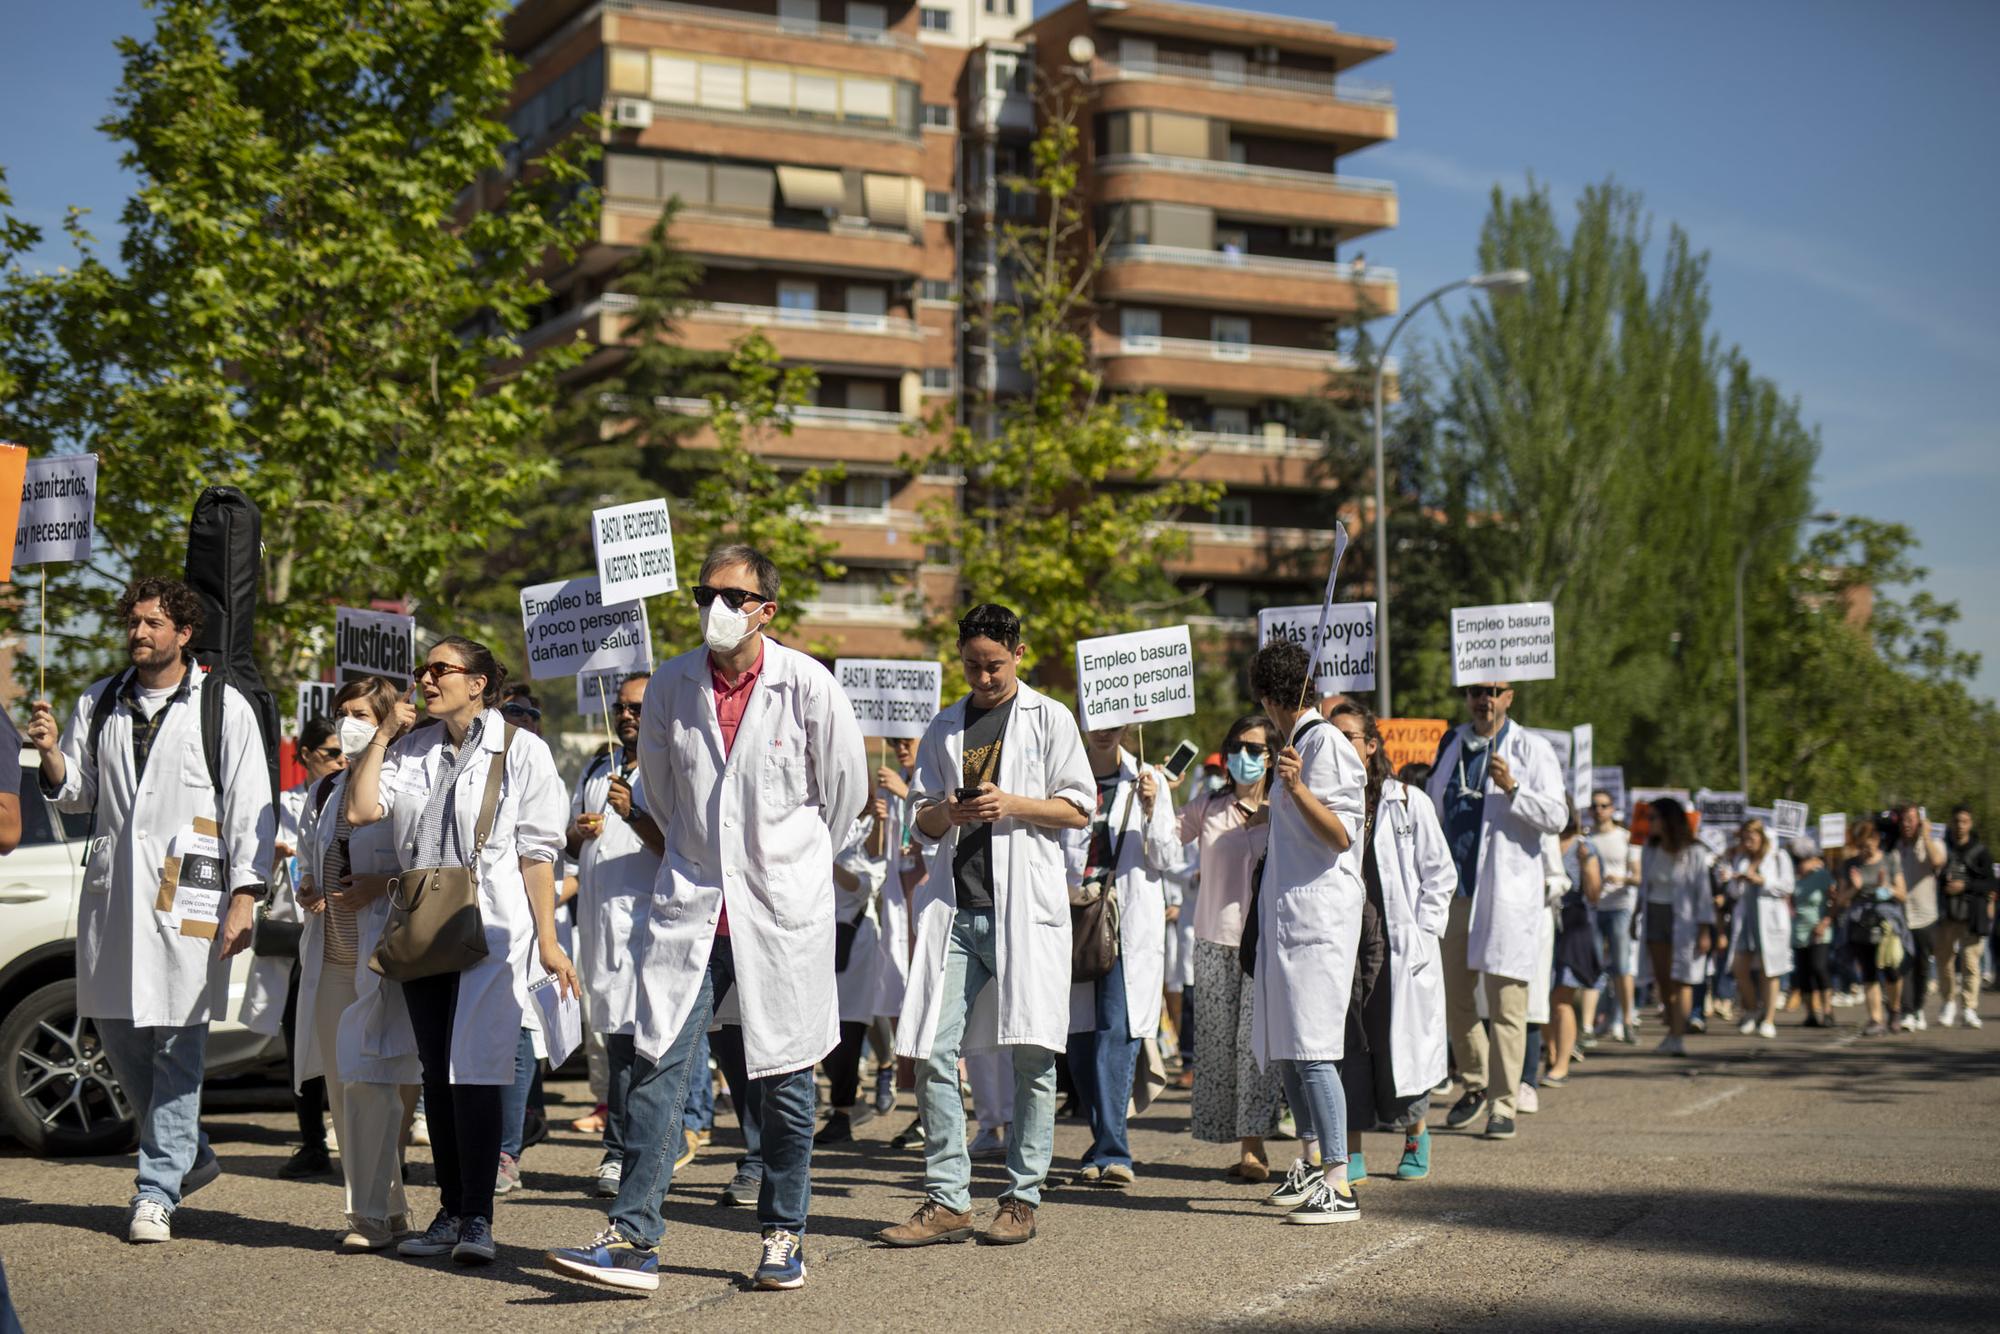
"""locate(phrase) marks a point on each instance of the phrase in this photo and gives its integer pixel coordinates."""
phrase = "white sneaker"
(989, 1143)
(1948, 1016)
(149, 1222)
(1767, 1029)
(1921, 1025)
(1748, 1026)
(1526, 1100)
(420, 1130)
(604, 1184)
(1971, 1019)
(1671, 1045)
(1907, 1024)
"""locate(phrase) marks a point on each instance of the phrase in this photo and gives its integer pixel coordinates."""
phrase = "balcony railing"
(858, 613)
(869, 516)
(786, 317)
(762, 23)
(1245, 171)
(1222, 259)
(1250, 535)
(855, 419)
(1230, 442)
(1255, 353)
(1252, 75)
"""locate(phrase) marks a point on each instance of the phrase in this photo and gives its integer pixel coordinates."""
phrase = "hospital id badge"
(191, 881)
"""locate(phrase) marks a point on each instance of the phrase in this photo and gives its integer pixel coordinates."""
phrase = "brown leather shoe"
(1014, 1224)
(931, 1224)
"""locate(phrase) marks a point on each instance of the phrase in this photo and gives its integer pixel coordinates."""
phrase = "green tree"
(304, 306)
(1064, 505)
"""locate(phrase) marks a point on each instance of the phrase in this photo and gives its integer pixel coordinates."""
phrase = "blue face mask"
(1245, 767)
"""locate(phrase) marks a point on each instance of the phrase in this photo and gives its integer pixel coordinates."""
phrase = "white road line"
(1711, 1101)
(1272, 1302)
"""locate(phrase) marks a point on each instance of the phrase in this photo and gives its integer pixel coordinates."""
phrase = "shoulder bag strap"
(490, 802)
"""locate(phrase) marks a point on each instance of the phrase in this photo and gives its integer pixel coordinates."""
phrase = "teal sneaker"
(1416, 1164)
(1357, 1170)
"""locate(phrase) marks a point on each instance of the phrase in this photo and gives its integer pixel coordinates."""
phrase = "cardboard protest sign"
(1411, 740)
(1512, 643)
(13, 468)
(58, 502)
(374, 643)
(315, 700)
(1610, 779)
(892, 697)
(635, 551)
(1724, 812)
(1141, 677)
(1833, 831)
(1345, 661)
(571, 630)
(1788, 819)
(596, 690)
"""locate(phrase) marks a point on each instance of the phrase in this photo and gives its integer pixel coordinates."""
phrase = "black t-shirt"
(1102, 826)
(972, 860)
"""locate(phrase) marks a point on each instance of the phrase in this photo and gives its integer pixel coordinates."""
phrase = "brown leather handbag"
(1093, 913)
(434, 921)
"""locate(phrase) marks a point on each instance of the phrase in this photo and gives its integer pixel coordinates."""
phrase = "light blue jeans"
(1319, 1105)
(160, 1070)
(968, 968)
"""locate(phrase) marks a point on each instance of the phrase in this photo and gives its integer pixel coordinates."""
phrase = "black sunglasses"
(1250, 748)
(735, 597)
(528, 711)
(328, 752)
(622, 707)
(1486, 692)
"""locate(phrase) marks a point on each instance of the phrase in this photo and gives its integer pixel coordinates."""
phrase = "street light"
(1501, 280)
(1742, 682)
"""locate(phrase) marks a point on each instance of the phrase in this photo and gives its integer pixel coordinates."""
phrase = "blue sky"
(1834, 158)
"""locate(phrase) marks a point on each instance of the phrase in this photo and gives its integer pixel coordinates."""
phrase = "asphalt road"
(1818, 1180)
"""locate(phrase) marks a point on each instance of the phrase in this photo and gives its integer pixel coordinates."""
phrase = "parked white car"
(57, 1093)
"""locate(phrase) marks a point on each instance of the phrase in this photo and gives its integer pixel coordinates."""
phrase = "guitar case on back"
(225, 560)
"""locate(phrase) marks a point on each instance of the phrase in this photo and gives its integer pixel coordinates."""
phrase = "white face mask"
(355, 734)
(723, 627)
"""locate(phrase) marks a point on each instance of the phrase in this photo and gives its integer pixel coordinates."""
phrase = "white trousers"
(367, 1118)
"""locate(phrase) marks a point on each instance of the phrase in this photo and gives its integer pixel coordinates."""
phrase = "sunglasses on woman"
(1250, 748)
(735, 597)
(437, 671)
(327, 752)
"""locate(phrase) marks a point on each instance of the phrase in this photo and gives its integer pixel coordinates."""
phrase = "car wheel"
(57, 1093)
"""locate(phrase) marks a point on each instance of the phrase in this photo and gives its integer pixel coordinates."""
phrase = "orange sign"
(13, 471)
(1411, 740)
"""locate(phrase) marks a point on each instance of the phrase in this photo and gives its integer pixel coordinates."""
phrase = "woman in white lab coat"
(430, 786)
(1759, 882)
(1680, 915)
(860, 870)
(1396, 1043)
(354, 1028)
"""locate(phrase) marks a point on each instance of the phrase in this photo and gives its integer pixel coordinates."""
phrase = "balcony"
(1191, 365)
(824, 436)
(1247, 460)
(1226, 551)
(1351, 112)
(1354, 204)
(763, 37)
(734, 240)
(873, 534)
(829, 339)
(1188, 277)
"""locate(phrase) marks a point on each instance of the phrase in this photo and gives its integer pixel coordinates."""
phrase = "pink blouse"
(1229, 853)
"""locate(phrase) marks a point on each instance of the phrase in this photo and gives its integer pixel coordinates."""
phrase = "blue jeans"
(657, 1117)
(514, 1097)
(1615, 943)
(700, 1114)
(968, 967)
(160, 1070)
(619, 1054)
(1101, 1061)
(1318, 1102)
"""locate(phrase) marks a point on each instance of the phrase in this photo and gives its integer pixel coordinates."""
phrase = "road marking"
(1713, 1100)
(1325, 1278)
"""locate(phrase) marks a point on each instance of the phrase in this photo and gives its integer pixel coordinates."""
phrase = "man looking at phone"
(1000, 775)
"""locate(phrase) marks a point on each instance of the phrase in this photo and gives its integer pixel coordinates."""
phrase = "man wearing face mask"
(752, 765)
(1499, 791)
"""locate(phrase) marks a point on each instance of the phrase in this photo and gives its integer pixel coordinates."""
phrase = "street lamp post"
(1502, 280)
(1742, 675)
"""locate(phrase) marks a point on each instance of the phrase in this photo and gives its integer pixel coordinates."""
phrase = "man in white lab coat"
(1000, 775)
(752, 765)
(1499, 791)
(152, 953)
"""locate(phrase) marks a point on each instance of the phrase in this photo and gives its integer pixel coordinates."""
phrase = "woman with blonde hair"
(1758, 880)
(1680, 915)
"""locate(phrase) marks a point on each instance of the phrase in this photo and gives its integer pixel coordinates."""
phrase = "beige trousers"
(367, 1118)
(1506, 1002)
(1958, 977)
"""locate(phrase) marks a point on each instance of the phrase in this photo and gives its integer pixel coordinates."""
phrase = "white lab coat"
(375, 1044)
(1555, 884)
(1763, 922)
(529, 823)
(1028, 1004)
(754, 829)
(1309, 907)
(615, 875)
(270, 981)
(1152, 849)
(1694, 905)
(892, 975)
(130, 962)
(1418, 882)
(1505, 934)
(856, 985)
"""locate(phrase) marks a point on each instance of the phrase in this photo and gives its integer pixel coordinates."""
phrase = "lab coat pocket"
(784, 780)
(1306, 916)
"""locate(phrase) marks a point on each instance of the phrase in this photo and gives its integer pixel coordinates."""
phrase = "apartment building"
(841, 167)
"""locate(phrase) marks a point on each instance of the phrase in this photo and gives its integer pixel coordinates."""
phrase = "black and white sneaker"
(1298, 1185)
(1327, 1205)
(1466, 1110)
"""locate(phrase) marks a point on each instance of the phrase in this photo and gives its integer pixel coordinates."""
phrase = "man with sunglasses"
(752, 765)
(1499, 790)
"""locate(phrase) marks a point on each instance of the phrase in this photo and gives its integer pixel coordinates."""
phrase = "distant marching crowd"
(1011, 905)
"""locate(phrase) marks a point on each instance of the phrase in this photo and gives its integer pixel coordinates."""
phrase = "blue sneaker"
(611, 1260)
(440, 1238)
(784, 1263)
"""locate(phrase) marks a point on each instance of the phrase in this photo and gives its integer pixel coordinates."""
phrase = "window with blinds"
(676, 78)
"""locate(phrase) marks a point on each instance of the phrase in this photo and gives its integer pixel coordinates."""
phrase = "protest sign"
(374, 643)
(1788, 819)
(1583, 749)
(571, 630)
(1411, 740)
(1512, 643)
(892, 697)
(58, 500)
(596, 690)
(1763, 815)
(315, 700)
(1722, 811)
(13, 469)
(1326, 600)
(635, 551)
(1833, 831)
(1345, 663)
(1610, 779)
(1141, 677)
